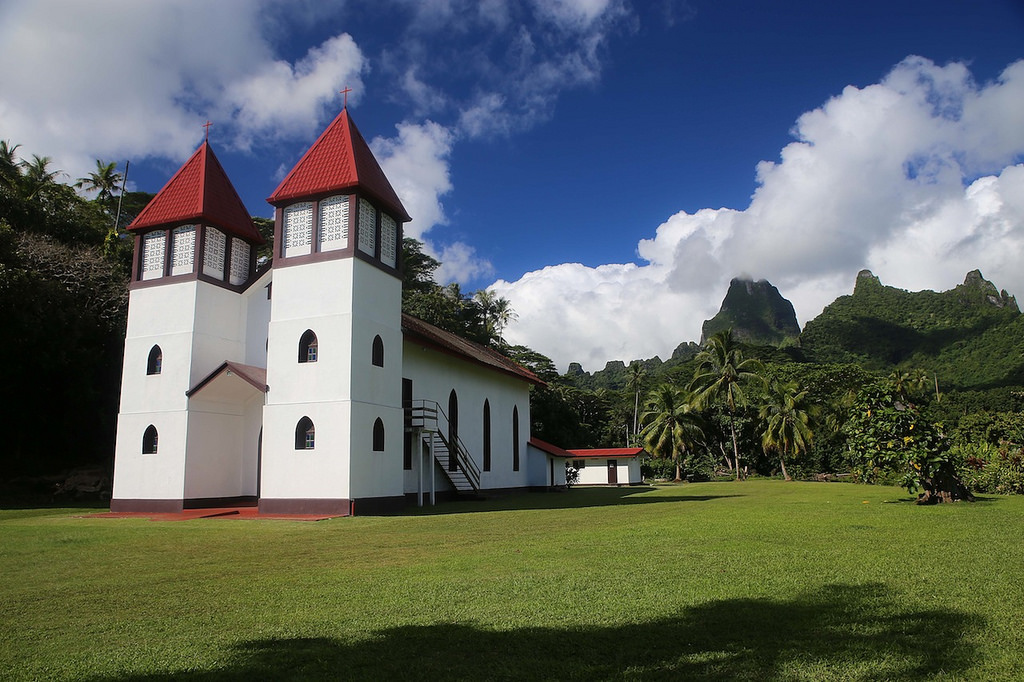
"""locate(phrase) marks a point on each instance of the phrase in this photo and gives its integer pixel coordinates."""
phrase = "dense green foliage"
(765, 580)
(972, 336)
(63, 302)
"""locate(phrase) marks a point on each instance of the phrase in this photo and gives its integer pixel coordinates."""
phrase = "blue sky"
(607, 165)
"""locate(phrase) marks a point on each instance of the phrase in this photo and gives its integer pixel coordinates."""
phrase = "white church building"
(300, 386)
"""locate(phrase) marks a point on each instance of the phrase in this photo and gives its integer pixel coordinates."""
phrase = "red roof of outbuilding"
(549, 448)
(201, 192)
(340, 159)
(608, 452)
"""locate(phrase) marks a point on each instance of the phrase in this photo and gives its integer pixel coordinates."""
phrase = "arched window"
(487, 435)
(515, 438)
(308, 346)
(378, 435)
(453, 430)
(149, 440)
(378, 351)
(156, 360)
(305, 434)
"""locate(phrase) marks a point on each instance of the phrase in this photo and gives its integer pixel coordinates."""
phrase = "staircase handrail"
(462, 456)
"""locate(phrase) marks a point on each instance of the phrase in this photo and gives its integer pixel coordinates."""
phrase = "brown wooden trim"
(172, 279)
(169, 251)
(278, 229)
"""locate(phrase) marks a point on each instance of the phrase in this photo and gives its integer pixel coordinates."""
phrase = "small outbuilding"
(608, 466)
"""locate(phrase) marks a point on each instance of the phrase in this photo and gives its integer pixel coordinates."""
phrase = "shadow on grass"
(564, 499)
(837, 632)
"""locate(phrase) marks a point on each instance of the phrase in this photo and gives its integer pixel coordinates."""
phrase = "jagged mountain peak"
(756, 312)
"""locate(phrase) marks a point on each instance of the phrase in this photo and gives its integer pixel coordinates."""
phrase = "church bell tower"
(333, 421)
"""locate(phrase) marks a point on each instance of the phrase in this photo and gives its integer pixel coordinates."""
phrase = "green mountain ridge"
(970, 337)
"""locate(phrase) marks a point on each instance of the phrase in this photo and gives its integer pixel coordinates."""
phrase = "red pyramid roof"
(200, 191)
(339, 159)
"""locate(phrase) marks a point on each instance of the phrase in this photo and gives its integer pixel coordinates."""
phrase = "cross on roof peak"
(207, 126)
(345, 93)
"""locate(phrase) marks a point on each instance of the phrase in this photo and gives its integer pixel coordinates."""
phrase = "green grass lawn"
(753, 580)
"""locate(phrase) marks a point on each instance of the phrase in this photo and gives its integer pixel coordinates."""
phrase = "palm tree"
(672, 425)
(37, 176)
(497, 312)
(787, 428)
(105, 179)
(721, 375)
(10, 166)
(635, 383)
(502, 314)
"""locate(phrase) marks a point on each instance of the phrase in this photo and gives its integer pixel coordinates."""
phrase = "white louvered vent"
(298, 229)
(184, 240)
(239, 261)
(388, 240)
(367, 227)
(153, 245)
(333, 223)
(213, 253)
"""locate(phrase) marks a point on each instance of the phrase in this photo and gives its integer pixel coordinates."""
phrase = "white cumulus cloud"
(80, 81)
(917, 177)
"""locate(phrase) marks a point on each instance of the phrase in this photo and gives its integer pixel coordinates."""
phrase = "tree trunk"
(944, 486)
(735, 447)
(725, 456)
(782, 461)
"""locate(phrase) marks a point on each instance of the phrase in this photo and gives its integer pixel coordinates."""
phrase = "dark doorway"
(613, 472)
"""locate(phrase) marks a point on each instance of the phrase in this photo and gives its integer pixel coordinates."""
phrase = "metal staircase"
(427, 418)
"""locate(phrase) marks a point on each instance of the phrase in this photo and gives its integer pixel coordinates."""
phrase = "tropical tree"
(721, 375)
(497, 313)
(672, 425)
(634, 384)
(502, 314)
(10, 166)
(105, 180)
(786, 422)
(887, 432)
(37, 176)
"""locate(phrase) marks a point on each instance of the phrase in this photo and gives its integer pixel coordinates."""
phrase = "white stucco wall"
(545, 470)
(435, 374)
(257, 321)
(320, 473)
(158, 476)
(346, 303)
(197, 326)
(222, 444)
(596, 470)
(219, 330)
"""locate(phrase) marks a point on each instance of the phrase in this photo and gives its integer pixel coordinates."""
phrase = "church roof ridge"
(453, 344)
(199, 191)
(339, 159)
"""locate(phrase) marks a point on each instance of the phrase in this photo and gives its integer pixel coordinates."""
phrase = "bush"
(987, 468)
(658, 467)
